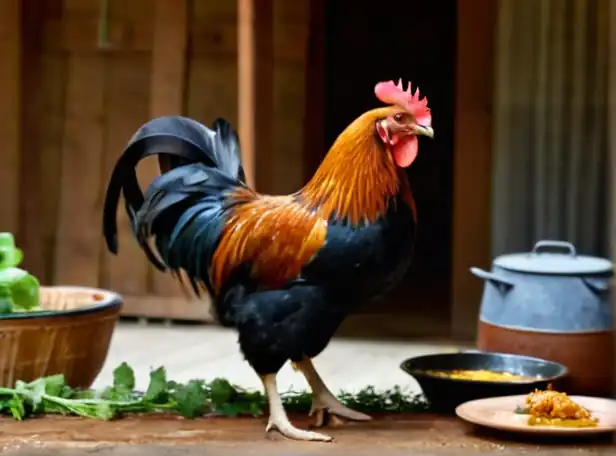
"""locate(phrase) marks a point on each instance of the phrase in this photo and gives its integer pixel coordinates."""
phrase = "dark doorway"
(415, 41)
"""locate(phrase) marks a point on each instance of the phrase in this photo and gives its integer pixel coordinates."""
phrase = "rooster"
(284, 271)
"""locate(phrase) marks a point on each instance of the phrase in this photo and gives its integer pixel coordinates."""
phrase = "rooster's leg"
(322, 398)
(278, 418)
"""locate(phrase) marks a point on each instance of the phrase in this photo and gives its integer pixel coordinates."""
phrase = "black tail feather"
(184, 210)
(181, 140)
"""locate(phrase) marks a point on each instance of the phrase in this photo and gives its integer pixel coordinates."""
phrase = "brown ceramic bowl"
(70, 336)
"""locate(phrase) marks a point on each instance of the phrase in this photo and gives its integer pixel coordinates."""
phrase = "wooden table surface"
(417, 434)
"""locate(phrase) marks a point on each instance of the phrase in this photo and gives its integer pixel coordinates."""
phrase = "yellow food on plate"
(554, 408)
(481, 375)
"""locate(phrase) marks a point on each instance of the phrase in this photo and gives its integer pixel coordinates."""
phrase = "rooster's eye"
(398, 117)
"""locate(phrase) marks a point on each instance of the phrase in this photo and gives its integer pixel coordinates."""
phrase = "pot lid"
(554, 257)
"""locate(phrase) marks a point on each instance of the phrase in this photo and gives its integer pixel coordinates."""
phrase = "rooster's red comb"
(392, 93)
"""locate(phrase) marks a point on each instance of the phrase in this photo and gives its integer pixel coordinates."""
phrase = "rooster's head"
(399, 124)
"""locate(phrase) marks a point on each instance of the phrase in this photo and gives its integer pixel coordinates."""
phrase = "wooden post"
(255, 89)
(10, 113)
(32, 221)
(167, 89)
(611, 128)
(472, 160)
(169, 61)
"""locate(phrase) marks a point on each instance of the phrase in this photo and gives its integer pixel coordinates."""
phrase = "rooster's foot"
(288, 430)
(325, 407)
(278, 419)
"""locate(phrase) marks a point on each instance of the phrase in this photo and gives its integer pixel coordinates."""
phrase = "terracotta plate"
(499, 413)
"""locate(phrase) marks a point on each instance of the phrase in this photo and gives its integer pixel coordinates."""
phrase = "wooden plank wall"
(10, 110)
(88, 93)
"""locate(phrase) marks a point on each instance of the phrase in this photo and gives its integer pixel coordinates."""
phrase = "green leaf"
(21, 386)
(124, 377)
(6, 305)
(255, 409)
(221, 392)
(55, 385)
(17, 407)
(25, 292)
(5, 405)
(99, 411)
(35, 392)
(123, 385)
(67, 393)
(191, 398)
(157, 388)
(117, 394)
(231, 410)
(102, 411)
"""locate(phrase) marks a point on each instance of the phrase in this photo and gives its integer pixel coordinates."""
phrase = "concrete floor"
(208, 352)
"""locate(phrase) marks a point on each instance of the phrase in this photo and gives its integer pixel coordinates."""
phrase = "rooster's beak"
(420, 130)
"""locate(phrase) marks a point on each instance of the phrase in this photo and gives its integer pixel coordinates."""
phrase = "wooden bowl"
(70, 336)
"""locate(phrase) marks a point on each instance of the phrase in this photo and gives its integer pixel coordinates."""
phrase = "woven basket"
(70, 337)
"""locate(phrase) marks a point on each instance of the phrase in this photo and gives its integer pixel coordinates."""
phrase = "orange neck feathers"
(358, 178)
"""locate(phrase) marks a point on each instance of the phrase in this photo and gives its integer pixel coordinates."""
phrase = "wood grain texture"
(472, 160)
(255, 89)
(30, 236)
(10, 113)
(53, 103)
(167, 92)
(127, 98)
(78, 238)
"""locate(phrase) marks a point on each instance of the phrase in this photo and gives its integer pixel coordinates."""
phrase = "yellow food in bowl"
(481, 375)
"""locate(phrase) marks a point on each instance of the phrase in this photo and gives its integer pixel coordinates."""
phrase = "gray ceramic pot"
(551, 288)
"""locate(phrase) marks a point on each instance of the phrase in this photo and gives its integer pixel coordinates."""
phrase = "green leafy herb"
(197, 397)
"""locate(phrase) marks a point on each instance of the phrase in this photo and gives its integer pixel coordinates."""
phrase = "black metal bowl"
(445, 394)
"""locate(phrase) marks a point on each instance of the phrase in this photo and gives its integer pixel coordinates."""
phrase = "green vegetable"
(52, 395)
(19, 290)
(6, 302)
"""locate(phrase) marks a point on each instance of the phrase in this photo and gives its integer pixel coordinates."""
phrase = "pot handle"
(562, 245)
(596, 285)
(502, 284)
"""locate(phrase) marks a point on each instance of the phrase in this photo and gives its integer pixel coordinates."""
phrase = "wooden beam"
(472, 160)
(255, 89)
(167, 91)
(10, 113)
(172, 308)
(212, 37)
